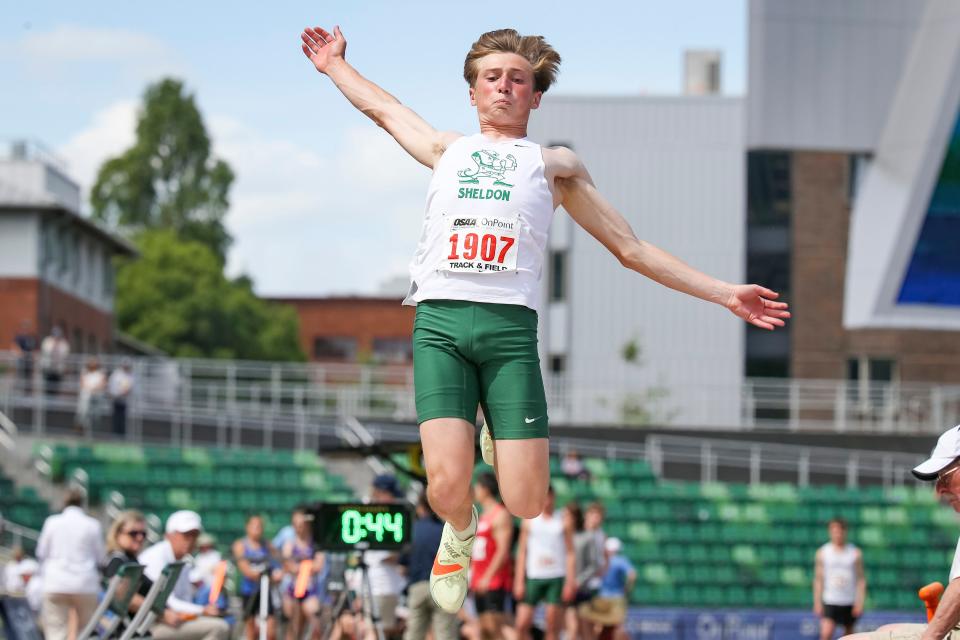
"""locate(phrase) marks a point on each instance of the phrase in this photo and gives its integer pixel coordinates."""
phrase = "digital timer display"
(361, 526)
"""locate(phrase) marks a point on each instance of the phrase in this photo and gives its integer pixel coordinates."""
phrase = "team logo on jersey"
(491, 166)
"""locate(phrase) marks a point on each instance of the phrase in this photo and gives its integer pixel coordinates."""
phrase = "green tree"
(176, 297)
(168, 179)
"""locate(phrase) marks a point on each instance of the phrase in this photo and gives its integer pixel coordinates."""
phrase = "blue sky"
(324, 202)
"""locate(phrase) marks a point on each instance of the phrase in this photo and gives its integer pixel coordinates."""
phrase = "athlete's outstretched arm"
(585, 204)
(327, 52)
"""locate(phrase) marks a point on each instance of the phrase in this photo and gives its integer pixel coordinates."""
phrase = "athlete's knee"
(527, 500)
(447, 491)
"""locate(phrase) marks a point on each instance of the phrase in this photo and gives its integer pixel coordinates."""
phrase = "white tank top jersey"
(546, 551)
(485, 229)
(839, 574)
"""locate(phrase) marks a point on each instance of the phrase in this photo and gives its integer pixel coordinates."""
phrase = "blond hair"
(537, 51)
(122, 520)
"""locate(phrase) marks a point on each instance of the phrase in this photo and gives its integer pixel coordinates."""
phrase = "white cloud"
(110, 134)
(68, 56)
(77, 43)
(343, 218)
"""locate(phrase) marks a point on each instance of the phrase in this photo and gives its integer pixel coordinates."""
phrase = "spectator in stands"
(205, 564)
(589, 567)
(69, 549)
(255, 557)
(119, 386)
(593, 524)
(18, 572)
(25, 346)
(54, 351)
(424, 613)
(572, 466)
(942, 469)
(304, 564)
(125, 540)
(608, 610)
(545, 570)
(383, 568)
(491, 568)
(182, 618)
(93, 385)
(839, 585)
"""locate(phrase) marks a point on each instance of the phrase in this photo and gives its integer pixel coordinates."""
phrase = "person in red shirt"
(491, 570)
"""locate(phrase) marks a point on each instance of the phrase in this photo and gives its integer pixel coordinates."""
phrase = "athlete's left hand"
(757, 305)
(569, 591)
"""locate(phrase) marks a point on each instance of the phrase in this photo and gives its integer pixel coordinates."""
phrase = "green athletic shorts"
(546, 590)
(467, 354)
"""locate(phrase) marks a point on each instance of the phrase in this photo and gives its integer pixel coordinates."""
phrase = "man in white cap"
(182, 618)
(941, 469)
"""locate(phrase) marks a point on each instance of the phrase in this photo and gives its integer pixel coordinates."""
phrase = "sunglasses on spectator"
(136, 533)
(943, 475)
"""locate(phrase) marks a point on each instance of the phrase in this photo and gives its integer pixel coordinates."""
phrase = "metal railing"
(15, 535)
(304, 400)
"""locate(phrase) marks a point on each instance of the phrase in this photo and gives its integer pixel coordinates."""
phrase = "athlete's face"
(254, 528)
(838, 535)
(503, 92)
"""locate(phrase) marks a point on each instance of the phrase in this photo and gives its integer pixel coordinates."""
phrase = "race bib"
(482, 244)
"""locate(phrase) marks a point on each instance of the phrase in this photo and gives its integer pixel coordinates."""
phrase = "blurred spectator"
(119, 386)
(69, 549)
(839, 586)
(125, 540)
(593, 524)
(424, 613)
(300, 605)
(589, 567)
(93, 384)
(608, 609)
(25, 346)
(182, 618)
(572, 466)
(54, 351)
(545, 570)
(386, 583)
(491, 569)
(207, 559)
(18, 572)
(255, 557)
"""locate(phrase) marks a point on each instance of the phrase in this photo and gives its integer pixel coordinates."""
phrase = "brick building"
(55, 265)
(852, 189)
(354, 329)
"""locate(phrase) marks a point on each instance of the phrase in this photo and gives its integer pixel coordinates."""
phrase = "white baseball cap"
(944, 454)
(184, 521)
(613, 545)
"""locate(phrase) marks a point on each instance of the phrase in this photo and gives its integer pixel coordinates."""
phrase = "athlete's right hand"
(322, 47)
(519, 590)
(818, 609)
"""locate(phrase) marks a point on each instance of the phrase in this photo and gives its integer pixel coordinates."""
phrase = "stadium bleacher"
(224, 485)
(736, 545)
(22, 504)
(694, 544)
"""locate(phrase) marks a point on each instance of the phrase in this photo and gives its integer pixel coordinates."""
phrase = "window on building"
(768, 188)
(558, 365)
(393, 350)
(856, 170)
(869, 379)
(339, 348)
(558, 275)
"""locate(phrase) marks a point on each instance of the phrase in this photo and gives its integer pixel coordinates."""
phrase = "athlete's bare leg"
(827, 627)
(887, 628)
(448, 450)
(523, 475)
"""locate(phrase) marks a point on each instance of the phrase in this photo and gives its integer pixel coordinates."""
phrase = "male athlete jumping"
(475, 276)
